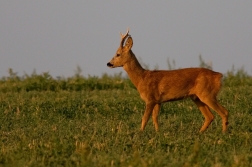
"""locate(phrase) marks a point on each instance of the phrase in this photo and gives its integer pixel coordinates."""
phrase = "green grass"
(96, 122)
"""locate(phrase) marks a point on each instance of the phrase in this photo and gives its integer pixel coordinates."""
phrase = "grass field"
(95, 121)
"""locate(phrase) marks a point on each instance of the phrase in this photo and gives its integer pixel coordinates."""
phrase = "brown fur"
(156, 87)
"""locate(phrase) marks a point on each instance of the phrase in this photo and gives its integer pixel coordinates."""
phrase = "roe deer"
(159, 86)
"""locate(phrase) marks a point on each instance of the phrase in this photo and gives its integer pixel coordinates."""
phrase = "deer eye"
(117, 55)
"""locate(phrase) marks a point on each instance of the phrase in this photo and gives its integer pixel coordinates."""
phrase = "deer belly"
(172, 96)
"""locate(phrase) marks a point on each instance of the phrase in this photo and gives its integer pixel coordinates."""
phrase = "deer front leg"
(155, 115)
(147, 113)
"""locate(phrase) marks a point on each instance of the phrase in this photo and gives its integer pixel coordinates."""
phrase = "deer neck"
(134, 70)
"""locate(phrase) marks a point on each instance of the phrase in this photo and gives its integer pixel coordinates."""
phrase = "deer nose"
(109, 64)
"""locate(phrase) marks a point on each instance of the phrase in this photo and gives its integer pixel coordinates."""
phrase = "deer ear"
(129, 43)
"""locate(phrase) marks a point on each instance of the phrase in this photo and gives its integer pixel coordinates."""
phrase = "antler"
(123, 37)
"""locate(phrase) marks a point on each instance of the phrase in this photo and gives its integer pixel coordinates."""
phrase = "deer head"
(123, 53)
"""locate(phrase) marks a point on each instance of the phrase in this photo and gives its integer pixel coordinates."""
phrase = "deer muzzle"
(110, 65)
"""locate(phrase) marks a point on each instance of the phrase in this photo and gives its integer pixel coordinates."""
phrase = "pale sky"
(56, 36)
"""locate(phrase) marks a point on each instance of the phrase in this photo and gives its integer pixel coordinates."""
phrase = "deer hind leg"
(212, 103)
(155, 115)
(147, 113)
(206, 113)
